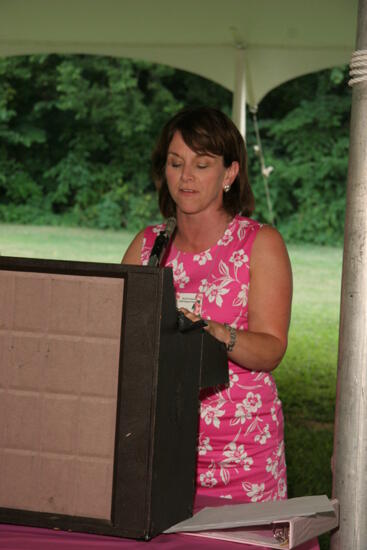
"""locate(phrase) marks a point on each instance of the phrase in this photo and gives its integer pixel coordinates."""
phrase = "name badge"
(190, 300)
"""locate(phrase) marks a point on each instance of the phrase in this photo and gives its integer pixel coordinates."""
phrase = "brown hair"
(205, 130)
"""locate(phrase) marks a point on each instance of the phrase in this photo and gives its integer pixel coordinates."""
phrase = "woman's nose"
(186, 174)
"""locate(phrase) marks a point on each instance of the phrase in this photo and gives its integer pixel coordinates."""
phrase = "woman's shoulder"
(245, 225)
(269, 243)
(132, 255)
(256, 237)
(140, 247)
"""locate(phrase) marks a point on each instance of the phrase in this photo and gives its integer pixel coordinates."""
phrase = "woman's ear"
(231, 173)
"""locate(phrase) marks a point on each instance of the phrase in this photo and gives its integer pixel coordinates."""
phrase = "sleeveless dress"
(240, 441)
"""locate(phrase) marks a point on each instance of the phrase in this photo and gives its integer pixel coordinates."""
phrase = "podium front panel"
(60, 346)
(98, 398)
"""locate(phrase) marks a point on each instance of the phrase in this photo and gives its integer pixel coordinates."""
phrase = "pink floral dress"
(240, 443)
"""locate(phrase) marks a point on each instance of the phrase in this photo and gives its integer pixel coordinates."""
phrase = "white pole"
(239, 92)
(350, 441)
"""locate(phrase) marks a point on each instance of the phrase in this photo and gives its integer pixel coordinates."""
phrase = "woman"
(234, 273)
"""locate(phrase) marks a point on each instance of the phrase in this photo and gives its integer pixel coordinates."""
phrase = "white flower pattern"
(239, 258)
(215, 293)
(208, 479)
(263, 435)
(233, 378)
(179, 274)
(203, 257)
(236, 455)
(211, 415)
(254, 490)
(226, 239)
(241, 298)
(240, 443)
(204, 445)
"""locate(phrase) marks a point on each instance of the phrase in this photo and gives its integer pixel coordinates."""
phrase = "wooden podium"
(98, 397)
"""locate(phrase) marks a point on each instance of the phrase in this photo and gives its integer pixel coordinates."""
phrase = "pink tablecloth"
(14, 537)
(31, 538)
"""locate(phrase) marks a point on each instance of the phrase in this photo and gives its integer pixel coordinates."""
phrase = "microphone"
(161, 243)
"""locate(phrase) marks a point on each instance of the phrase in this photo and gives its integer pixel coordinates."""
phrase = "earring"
(226, 188)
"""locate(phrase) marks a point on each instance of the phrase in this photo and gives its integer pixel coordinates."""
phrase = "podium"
(98, 397)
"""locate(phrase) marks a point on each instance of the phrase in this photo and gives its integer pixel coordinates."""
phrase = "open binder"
(281, 524)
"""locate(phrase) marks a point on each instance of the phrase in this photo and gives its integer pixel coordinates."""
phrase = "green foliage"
(308, 148)
(76, 134)
(143, 207)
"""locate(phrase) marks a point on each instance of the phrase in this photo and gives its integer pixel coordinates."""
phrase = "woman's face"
(196, 181)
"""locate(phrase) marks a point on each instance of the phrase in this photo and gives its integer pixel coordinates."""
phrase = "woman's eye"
(175, 164)
(202, 166)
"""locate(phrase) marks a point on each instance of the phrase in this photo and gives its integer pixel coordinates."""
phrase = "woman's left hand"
(219, 331)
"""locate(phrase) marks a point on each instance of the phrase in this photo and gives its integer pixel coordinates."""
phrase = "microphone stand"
(161, 243)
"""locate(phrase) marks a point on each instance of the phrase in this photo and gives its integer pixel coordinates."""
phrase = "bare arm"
(132, 255)
(269, 306)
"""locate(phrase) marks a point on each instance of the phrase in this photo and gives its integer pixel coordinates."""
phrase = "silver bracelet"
(233, 337)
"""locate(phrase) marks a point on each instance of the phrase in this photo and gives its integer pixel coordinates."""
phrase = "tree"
(306, 140)
(76, 135)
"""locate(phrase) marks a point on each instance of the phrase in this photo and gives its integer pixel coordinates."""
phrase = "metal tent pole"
(350, 440)
(239, 92)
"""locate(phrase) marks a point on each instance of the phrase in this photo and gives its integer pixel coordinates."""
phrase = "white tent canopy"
(282, 39)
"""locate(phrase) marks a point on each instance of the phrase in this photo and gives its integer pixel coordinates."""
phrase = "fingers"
(190, 315)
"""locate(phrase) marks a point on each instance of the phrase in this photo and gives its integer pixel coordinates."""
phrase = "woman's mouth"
(186, 190)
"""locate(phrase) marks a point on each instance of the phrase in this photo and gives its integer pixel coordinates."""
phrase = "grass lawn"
(63, 243)
(307, 376)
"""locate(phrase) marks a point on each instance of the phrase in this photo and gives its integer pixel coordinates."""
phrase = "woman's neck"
(196, 233)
